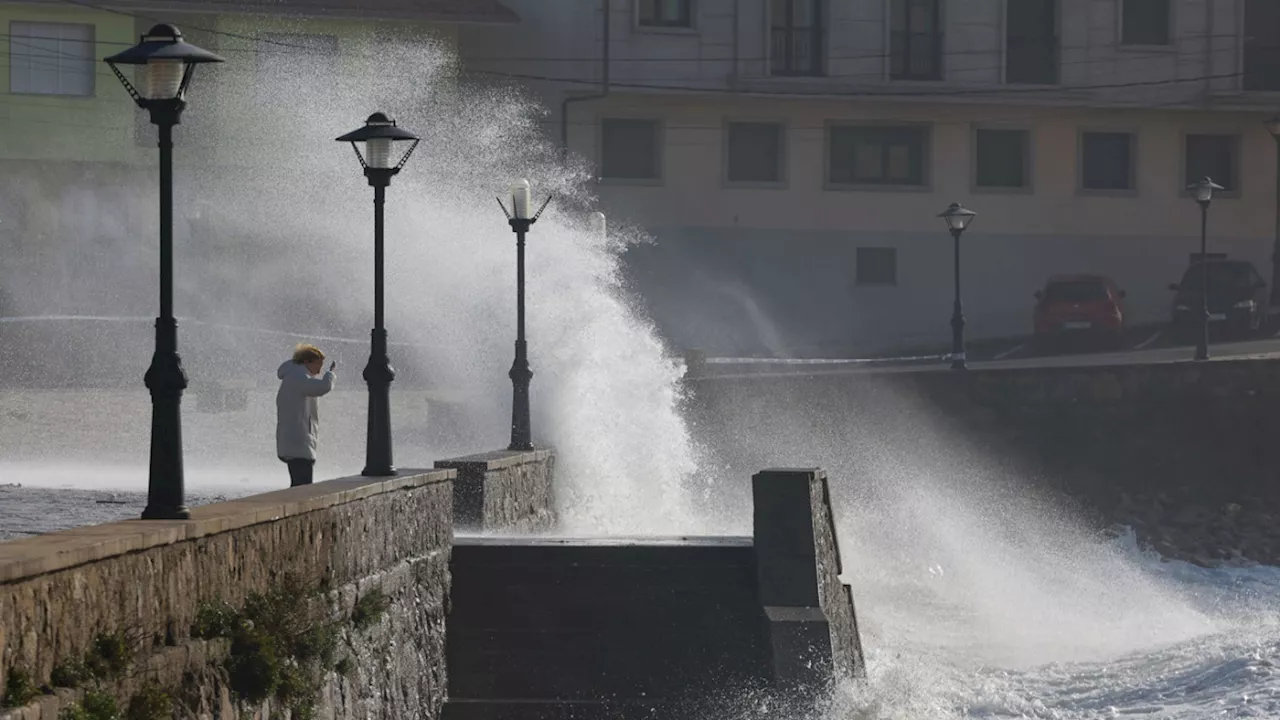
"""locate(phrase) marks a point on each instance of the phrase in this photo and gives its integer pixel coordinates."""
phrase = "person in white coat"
(297, 417)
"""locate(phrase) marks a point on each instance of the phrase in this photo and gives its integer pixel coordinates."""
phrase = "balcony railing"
(796, 51)
(1031, 60)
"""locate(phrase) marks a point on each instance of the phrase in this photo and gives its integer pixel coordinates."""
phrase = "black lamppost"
(1273, 126)
(378, 135)
(520, 220)
(1204, 195)
(957, 219)
(166, 64)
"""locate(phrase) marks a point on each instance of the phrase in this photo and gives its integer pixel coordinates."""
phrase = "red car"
(1080, 307)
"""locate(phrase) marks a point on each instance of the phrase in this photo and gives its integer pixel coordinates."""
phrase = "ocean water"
(1219, 660)
(1133, 637)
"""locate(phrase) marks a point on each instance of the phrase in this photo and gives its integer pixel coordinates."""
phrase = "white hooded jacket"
(297, 418)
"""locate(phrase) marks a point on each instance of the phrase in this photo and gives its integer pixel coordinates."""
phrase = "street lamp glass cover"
(378, 135)
(1204, 189)
(1273, 125)
(957, 217)
(598, 225)
(520, 194)
(166, 62)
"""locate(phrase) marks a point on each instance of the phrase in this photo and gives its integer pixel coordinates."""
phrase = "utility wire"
(834, 92)
(1127, 50)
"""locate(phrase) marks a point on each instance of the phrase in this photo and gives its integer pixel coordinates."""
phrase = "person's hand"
(333, 365)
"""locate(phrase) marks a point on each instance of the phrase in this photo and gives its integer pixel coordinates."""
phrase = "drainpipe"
(604, 84)
(1209, 18)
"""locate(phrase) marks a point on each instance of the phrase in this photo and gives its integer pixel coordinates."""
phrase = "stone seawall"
(329, 597)
(1178, 435)
(494, 487)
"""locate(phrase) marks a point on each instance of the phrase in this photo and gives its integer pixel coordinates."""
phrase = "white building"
(790, 156)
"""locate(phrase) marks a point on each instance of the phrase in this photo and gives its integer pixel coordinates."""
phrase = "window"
(666, 13)
(1031, 42)
(876, 155)
(796, 37)
(753, 152)
(1262, 45)
(915, 40)
(1144, 22)
(51, 59)
(1216, 156)
(629, 149)
(1002, 158)
(1106, 160)
(876, 266)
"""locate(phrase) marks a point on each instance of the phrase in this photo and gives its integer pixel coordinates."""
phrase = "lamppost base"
(959, 365)
(378, 472)
(520, 447)
(166, 513)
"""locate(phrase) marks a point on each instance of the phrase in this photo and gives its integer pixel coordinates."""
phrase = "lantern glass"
(520, 199)
(378, 152)
(163, 79)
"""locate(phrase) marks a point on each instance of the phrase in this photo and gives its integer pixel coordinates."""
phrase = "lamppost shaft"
(1202, 343)
(521, 374)
(378, 374)
(166, 378)
(958, 360)
(1274, 301)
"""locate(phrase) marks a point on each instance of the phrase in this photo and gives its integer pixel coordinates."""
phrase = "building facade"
(77, 157)
(790, 156)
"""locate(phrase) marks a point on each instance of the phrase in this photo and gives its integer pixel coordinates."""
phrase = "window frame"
(858, 281)
(939, 40)
(1170, 31)
(91, 59)
(1237, 150)
(1028, 160)
(640, 26)
(926, 164)
(783, 141)
(1135, 148)
(660, 151)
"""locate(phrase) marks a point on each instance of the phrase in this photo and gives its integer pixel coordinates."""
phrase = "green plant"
(282, 641)
(109, 657)
(370, 608)
(344, 667)
(214, 619)
(96, 706)
(69, 674)
(19, 688)
(151, 702)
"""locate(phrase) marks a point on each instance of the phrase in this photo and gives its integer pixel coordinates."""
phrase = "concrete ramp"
(670, 628)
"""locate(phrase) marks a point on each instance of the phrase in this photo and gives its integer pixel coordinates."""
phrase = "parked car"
(1237, 298)
(1079, 308)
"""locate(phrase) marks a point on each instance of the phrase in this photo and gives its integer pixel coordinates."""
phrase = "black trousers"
(299, 470)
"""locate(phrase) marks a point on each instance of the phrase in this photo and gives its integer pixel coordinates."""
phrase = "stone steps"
(573, 622)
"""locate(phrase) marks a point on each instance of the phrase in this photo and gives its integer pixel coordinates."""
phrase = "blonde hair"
(304, 353)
